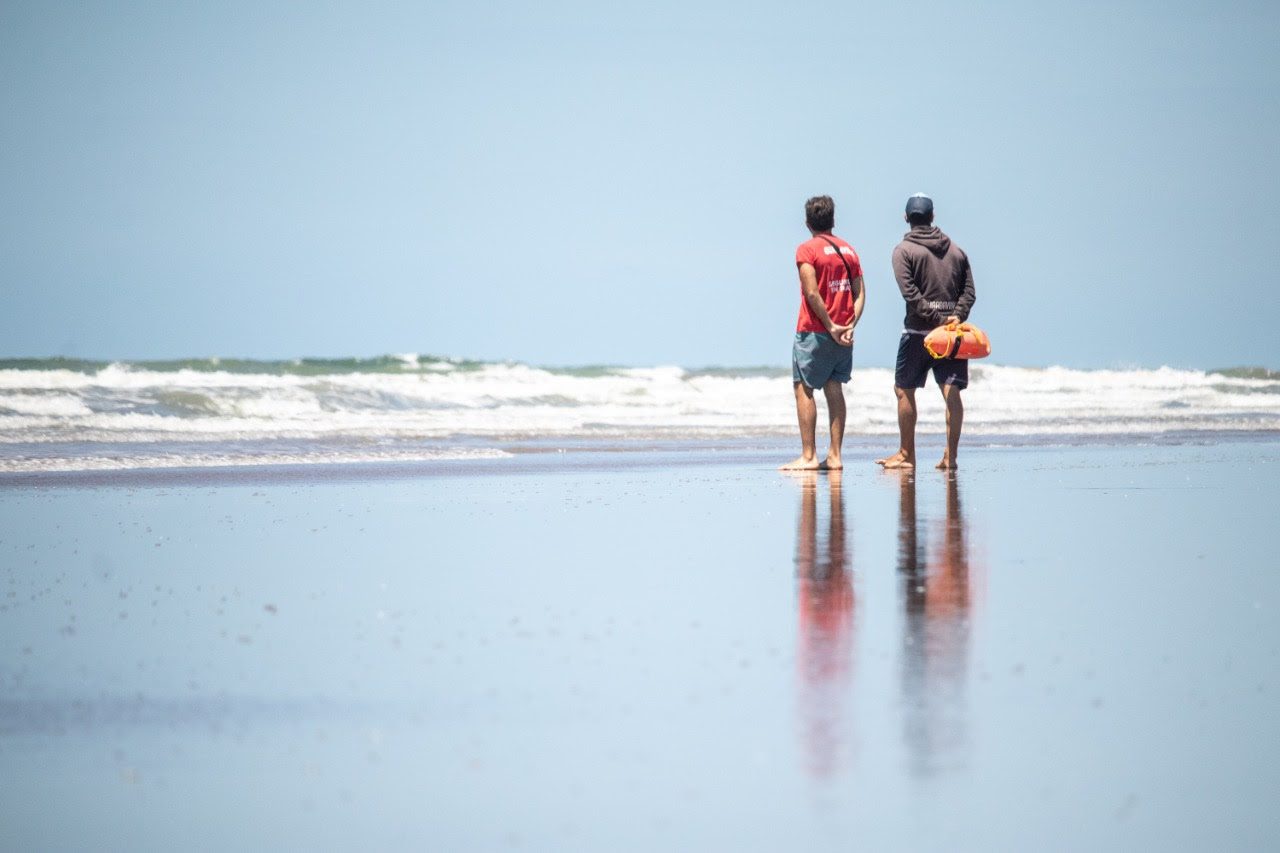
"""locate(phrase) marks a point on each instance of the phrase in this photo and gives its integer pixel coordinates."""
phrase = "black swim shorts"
(915, 362)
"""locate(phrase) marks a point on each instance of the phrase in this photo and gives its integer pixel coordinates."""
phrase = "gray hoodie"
(934, 276)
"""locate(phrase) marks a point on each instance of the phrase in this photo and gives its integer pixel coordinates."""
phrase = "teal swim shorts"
(817, 359)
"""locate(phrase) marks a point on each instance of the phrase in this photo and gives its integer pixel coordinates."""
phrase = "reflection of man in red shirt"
(826, 626)
(832, 299)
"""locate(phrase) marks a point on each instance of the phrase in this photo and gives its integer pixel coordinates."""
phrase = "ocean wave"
(400, 363)
(59, 403)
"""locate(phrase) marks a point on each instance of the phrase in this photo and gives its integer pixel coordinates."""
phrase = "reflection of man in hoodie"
(938, 592)
(935, 279)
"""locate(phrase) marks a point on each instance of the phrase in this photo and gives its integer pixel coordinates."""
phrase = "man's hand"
(843, 335)
(953, 320)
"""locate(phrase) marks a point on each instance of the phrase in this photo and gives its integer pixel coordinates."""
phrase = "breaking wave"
(62, 414)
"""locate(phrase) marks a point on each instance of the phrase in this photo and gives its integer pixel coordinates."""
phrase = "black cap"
(920, 203)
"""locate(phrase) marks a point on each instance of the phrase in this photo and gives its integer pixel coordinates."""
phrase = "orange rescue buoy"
(963, 340)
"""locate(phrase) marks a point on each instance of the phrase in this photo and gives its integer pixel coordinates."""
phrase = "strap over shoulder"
(839, 254)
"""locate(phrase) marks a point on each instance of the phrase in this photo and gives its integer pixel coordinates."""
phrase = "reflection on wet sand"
(826, 607)
(937, 597)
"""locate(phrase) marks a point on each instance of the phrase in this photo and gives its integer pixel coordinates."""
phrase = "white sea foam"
(126, 462)
(53, 405)
(409, 398)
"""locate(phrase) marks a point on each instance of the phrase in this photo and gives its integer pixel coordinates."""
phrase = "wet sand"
(1057, 648)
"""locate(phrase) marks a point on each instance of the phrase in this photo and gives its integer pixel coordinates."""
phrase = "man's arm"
(809, 286)
(859, 301)
(968, 296)
(910, 292)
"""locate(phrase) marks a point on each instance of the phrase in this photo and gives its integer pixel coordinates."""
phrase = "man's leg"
(834, 392)
(955, 420)
(906, 455)
(807, 414)
(908, 374)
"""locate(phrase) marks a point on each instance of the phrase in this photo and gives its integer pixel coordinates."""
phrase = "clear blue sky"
(586, 183)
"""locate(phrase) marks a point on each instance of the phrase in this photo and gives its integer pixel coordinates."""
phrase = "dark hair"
(820, 213)
(920, 218)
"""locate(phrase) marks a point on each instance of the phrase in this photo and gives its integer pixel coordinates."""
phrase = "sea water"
(73, 415)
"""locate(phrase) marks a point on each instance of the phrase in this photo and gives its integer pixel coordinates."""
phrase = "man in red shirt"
(832, 299)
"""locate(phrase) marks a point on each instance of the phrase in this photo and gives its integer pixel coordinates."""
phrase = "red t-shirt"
(833, 281)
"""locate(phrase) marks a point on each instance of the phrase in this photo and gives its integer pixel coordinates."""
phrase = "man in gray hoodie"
(935, 279)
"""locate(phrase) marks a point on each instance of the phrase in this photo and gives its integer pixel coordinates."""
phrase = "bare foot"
(801, 464)
(897, 460)
(947, 464)
(831, 463)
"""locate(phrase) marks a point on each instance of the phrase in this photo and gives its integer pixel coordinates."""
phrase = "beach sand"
(1059, 648)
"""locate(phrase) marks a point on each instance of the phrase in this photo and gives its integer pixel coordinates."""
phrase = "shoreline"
(550, 457)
